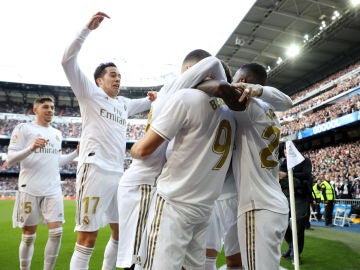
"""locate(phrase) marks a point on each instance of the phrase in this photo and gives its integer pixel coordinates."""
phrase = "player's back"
(195, 171)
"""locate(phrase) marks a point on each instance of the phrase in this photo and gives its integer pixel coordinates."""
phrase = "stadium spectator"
(355, 189)
(104, 115)
(328, 197)
(37, 146)
(303, 196)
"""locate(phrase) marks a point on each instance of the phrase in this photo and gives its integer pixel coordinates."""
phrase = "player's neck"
(42, 123)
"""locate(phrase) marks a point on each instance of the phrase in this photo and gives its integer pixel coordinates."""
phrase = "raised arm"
(209, 67)
(77, 79)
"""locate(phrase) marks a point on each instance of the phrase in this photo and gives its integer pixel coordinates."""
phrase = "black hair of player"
(257, 71)
(100, 70)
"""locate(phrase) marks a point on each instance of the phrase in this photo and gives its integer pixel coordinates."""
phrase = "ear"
(34, 110)
(99, 81)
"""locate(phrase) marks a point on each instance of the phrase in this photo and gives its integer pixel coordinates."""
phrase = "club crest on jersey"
(138, 260)
(14, 138)
(57, 138)
(86, 220)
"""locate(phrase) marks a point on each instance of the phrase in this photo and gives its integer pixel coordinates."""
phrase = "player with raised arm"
(103, 141)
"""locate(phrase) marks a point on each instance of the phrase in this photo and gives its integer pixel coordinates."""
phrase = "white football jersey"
(255, 159)
(39, 172)
(104, 120)
(229, 189)
(203, 133)
(146, 171)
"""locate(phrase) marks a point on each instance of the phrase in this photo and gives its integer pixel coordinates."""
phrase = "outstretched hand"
(96, 20)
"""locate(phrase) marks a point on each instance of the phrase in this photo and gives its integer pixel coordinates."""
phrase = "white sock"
(80, 258)
(26, 250)
(52, 248)
(110, 255)
(210, 263)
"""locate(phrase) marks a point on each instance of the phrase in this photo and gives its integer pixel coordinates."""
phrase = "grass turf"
(319, 253)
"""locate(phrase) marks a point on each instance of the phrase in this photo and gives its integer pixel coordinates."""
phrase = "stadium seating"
(313, 214)
(342, 215)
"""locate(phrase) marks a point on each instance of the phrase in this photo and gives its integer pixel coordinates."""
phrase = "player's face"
(110, 83)
(239, 76)
(44, 113)
(244, 76)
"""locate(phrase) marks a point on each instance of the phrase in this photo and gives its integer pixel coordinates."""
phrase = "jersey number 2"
(270, 133)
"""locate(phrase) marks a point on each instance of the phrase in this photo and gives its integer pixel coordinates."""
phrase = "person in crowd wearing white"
(37, 146)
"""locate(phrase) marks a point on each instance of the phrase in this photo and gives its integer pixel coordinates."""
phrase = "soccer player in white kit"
(190, 181)
(103, 142)
(37, 146)
(222, 229)
(263, 208)
(137, 184)
(223, 222)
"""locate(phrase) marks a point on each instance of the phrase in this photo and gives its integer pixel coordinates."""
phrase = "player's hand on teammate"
(96, 20)
(249, 90)
(231, 96)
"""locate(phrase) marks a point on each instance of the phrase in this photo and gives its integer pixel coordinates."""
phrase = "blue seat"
(348, 209)
(342, 215)
(336, 205)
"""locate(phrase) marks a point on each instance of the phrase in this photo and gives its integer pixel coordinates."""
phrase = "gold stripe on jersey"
(250, 239)
(153, 234)
(80, 193)
(161, 134)
(143, 213)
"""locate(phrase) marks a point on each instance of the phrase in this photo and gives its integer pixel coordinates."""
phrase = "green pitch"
(319, 253)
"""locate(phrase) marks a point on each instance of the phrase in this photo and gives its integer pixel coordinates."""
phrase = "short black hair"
(100, 70)
(196, 56)
(258, 71)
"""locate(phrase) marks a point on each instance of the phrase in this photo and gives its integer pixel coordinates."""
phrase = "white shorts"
(133, 204)
(261, 233)
(28, 209)
(96, 198)
(170, 241)
(223, 227)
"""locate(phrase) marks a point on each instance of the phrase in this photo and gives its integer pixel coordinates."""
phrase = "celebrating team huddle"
(204, 174)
